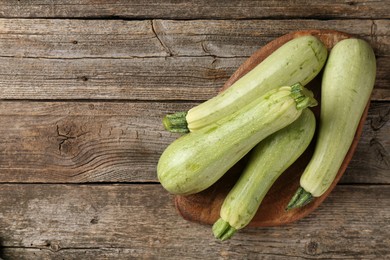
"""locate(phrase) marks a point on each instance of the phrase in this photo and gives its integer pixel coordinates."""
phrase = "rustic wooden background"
(83, 87)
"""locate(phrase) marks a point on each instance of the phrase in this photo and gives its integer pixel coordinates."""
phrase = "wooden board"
(47, 221)
(83, 85)
(236, 9)
(73, 142)
(45, 38)
(148, 60)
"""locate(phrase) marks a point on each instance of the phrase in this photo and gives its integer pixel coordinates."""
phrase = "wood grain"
(61, 38)
(58, 142)
(230, 38)
(148, 60)
(67, 39)
(82, 92)
(139, 221)
(236, 9)
(172, 78)
(372, 149)
(185, 78)
(78, 142)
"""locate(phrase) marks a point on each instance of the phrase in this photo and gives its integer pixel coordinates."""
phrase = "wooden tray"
(204, 207)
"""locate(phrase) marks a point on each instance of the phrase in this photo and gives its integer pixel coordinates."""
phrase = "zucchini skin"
(195, 161)
(347, 83)
(267, 161)
(298, 60)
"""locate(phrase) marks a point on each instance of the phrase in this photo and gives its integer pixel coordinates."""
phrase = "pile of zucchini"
(267, 113)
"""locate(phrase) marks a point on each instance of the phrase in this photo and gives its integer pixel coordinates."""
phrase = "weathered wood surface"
(62, 38)
(83, 87)
(148, 60)
(121, 142)
(139, 221)
(172, 78)
(236, 9)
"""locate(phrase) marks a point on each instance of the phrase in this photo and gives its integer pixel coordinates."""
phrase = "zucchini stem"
(222, 230)
(302, 96)
(176, 123)
(300, 199)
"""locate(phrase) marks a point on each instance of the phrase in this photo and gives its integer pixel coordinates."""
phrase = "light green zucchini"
(298, 60)
(270, 158)
(195, 161)
(347, 84)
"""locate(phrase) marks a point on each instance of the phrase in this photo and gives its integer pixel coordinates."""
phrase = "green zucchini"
(270, 158)
(195, 161)
(347, 83)
(298, 60)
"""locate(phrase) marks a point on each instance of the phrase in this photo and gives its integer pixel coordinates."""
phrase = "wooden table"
(83, 88)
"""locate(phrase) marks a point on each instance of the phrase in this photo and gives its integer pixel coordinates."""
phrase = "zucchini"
(298, 60)
(270, 158)
(347, 83)
(195, 161)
